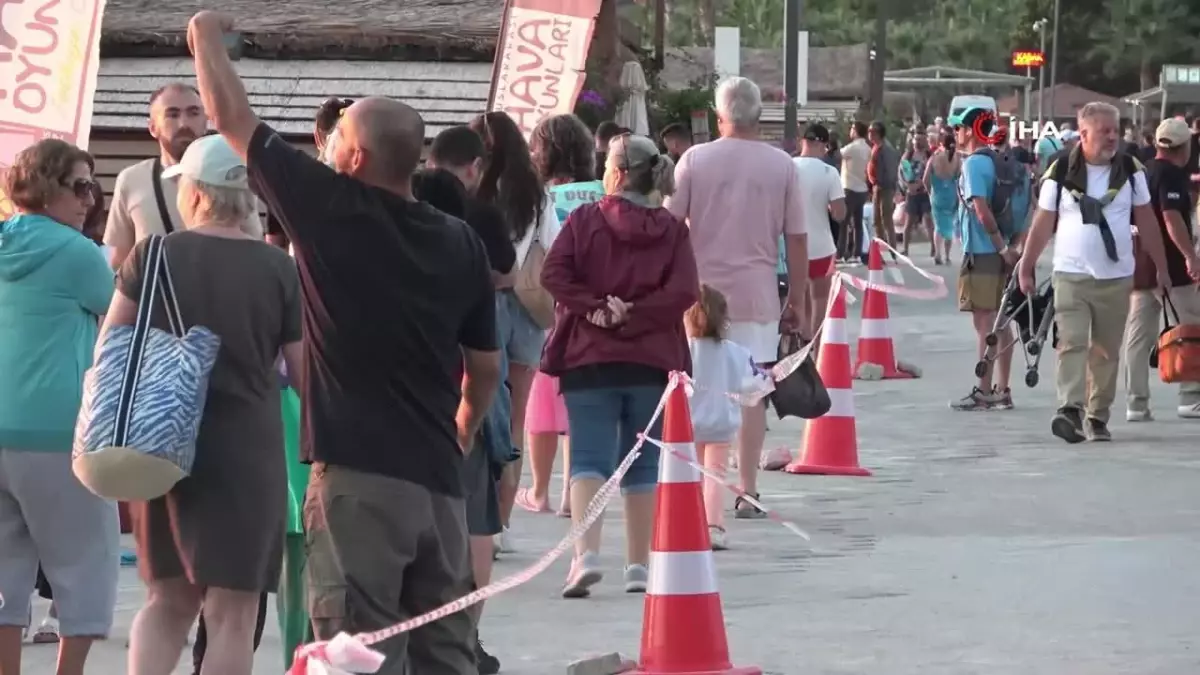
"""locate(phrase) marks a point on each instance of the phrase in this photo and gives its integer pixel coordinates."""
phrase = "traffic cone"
(875, 344)
(831, 441)
(683, 628)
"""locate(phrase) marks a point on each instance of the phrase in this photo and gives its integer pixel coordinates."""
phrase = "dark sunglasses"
(82, 187)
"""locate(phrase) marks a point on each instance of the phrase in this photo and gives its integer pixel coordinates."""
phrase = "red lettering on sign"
(30, 93)
(540, 61)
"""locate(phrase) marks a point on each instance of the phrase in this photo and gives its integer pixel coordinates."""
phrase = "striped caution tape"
(346, 654)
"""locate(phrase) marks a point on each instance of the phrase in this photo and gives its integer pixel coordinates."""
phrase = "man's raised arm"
(220, 86)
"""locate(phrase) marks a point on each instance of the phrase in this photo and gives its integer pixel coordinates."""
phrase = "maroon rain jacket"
(639, 254)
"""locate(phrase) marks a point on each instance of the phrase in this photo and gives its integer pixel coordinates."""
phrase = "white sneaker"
(1190, 412)
(502, 542)
(1139, 416)
(636, 578)
(716, 535)
(585, 573)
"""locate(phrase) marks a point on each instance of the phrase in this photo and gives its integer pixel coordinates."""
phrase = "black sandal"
(744, 510)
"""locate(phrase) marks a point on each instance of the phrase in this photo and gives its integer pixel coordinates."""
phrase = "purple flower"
(592, 98)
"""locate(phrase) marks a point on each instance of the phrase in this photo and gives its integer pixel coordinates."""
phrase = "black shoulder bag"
(163, 212)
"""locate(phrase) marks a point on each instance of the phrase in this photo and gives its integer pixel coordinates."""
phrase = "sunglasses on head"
(82, 187)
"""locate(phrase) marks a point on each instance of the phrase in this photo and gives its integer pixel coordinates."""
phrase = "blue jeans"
(605, 424)
(521, 338)
(497, 425)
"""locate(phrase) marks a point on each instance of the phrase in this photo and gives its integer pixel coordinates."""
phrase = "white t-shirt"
(1078, 247)
(855, 157)
(719, 368)
(547, 228)
(820, 186)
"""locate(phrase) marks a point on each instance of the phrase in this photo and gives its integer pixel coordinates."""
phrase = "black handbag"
(801, 393)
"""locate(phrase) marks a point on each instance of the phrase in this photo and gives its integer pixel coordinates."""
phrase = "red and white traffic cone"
(875, 344)
(831, 441)
(683, 627)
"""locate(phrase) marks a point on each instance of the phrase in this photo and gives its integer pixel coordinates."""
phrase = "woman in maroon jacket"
(623, 273)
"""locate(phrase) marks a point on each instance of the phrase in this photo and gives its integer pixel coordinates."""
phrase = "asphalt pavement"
(981, 545)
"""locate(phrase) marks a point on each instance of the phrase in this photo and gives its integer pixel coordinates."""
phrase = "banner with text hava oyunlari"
(49, 58)
(541, 58)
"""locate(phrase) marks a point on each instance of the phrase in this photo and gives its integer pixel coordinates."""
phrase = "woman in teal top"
(941, 179)
(54, 285)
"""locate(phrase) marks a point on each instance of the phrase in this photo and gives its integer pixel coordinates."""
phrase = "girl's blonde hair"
(709, 317)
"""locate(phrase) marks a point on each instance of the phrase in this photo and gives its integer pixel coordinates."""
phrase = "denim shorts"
(605, 424)
(498, 441)
(520, 337)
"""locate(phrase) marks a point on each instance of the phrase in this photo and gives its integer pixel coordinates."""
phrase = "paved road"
(981, 545)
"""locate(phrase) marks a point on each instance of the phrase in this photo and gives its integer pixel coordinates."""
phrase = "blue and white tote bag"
(144, 397)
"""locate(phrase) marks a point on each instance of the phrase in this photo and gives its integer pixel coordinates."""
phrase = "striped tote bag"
(144, 397)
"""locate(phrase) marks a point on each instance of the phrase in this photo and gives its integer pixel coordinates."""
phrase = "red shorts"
(821, 267)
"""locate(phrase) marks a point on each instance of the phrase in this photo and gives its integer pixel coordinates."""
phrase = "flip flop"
(525, 500)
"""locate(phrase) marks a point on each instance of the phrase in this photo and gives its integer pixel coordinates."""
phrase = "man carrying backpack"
(1095, 195)
(991, 235)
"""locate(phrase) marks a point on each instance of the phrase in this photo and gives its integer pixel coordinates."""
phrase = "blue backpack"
(1012, 185)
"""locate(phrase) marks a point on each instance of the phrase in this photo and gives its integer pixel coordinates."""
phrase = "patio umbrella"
(632, 112)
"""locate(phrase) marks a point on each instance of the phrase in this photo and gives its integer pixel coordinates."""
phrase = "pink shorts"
(546, 412)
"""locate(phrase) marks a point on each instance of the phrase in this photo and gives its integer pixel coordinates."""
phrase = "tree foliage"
(1114, 46)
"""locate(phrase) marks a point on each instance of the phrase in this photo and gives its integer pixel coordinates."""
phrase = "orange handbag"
(1178, 349)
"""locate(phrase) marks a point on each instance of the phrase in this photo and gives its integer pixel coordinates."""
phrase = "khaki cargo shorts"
(981, 282)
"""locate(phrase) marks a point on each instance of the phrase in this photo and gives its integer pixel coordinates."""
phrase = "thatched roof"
(833, 72)
(377, 29)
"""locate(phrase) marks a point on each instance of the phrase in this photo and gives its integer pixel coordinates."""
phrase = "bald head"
(389, 135)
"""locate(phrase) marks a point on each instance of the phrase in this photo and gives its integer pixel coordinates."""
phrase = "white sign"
(727, 52)
(801, 68)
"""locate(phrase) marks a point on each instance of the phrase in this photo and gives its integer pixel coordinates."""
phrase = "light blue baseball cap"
(211, 160)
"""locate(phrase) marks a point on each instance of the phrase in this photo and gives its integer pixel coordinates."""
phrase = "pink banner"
(541, 58)
(49, 58)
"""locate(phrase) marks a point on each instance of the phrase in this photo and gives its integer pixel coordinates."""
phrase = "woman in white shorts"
(54, 284)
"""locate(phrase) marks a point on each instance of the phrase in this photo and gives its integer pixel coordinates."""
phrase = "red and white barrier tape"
(349, 655)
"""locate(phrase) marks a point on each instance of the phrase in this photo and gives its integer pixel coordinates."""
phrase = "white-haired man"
(1095, 196)
(740, 197)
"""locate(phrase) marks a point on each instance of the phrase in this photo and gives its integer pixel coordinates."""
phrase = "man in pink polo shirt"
(739, 195)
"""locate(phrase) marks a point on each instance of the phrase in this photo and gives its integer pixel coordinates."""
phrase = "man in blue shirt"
(988, 259)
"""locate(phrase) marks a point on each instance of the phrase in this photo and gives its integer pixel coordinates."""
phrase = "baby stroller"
(1034, 318)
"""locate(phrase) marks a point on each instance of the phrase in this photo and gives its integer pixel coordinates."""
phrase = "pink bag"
(546, 412)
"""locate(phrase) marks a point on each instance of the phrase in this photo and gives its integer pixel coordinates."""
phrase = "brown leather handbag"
(1177, 354)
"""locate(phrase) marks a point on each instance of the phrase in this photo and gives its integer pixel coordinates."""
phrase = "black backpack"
(1058, 173)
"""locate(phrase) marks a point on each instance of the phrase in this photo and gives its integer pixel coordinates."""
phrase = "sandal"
(47, 633)
(744, 510)
(525, 500)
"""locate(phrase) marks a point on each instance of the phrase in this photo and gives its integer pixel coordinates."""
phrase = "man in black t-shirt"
(1193, 164)
(1169, 184)
(459, 152)
(396, 297)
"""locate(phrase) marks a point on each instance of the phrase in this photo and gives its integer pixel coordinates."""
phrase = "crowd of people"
(535, 291)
